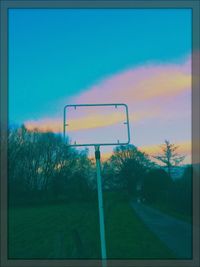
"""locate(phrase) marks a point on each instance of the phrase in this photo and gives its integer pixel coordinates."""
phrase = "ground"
(72, 231)
(175, 233)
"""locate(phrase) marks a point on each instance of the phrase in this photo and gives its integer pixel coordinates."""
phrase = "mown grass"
(165, 208)
(126, 235)
(72, 231)
(35, 232)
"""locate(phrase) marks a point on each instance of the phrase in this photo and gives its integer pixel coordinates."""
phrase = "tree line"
(43, 169)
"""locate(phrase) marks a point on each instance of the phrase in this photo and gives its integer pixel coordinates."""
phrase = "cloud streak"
(140, 84)
(184, 148)
(86, 122)
(45, 125)
(153, 92)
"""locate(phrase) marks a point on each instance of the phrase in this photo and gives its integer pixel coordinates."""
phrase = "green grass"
(169, 211)
(35, 232)
(126, 235)
(49, 232)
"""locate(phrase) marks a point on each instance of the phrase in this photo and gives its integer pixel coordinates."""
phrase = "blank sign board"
(96, 124)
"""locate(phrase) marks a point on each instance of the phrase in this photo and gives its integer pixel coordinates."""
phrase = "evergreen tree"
(169, 156)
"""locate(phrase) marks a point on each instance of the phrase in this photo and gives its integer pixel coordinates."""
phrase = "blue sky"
(58, 53)
(57, 56)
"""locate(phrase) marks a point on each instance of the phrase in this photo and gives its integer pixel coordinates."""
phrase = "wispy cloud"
(184, 148)
(45, 125)
(153, 92)
(95, 121)
(87, 121)
(144, 83)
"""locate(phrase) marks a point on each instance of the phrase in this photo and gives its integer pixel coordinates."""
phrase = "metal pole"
(101, 211)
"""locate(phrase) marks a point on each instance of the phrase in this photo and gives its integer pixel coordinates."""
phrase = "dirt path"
(176, 234)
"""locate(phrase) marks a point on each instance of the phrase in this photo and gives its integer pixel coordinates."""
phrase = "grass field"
(167, 210)
(72, 231)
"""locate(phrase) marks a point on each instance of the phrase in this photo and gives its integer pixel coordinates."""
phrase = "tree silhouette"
(169, 156)
(156, 186)
(129, 166)
(42, 167)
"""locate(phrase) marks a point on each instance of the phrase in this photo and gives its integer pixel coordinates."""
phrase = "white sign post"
(100, 202)
(98, 166)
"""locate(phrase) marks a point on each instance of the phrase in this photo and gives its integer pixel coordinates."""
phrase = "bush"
(156, 186)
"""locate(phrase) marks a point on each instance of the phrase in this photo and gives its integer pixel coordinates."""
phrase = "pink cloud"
(152, 81)
(184, 148)
(45, 125)
(153, 92)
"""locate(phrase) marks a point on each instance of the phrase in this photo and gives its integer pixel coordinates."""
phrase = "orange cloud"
(140, 84)
(164, 85)
(45, 125)
(151, 92)
(95, 121)
(104, 156)
(184, 148)
(83, 122)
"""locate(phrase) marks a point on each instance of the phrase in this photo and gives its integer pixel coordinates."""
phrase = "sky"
(140, 57)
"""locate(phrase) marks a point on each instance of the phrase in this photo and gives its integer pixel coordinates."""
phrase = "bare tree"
(169, 156)
(126, 168)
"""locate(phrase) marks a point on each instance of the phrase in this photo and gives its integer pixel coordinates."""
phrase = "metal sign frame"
(98, 170)
(65, 124)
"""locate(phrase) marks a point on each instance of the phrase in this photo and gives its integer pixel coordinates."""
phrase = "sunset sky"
(140, 57)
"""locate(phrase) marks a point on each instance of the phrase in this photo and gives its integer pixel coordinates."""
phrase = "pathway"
(176, 234)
